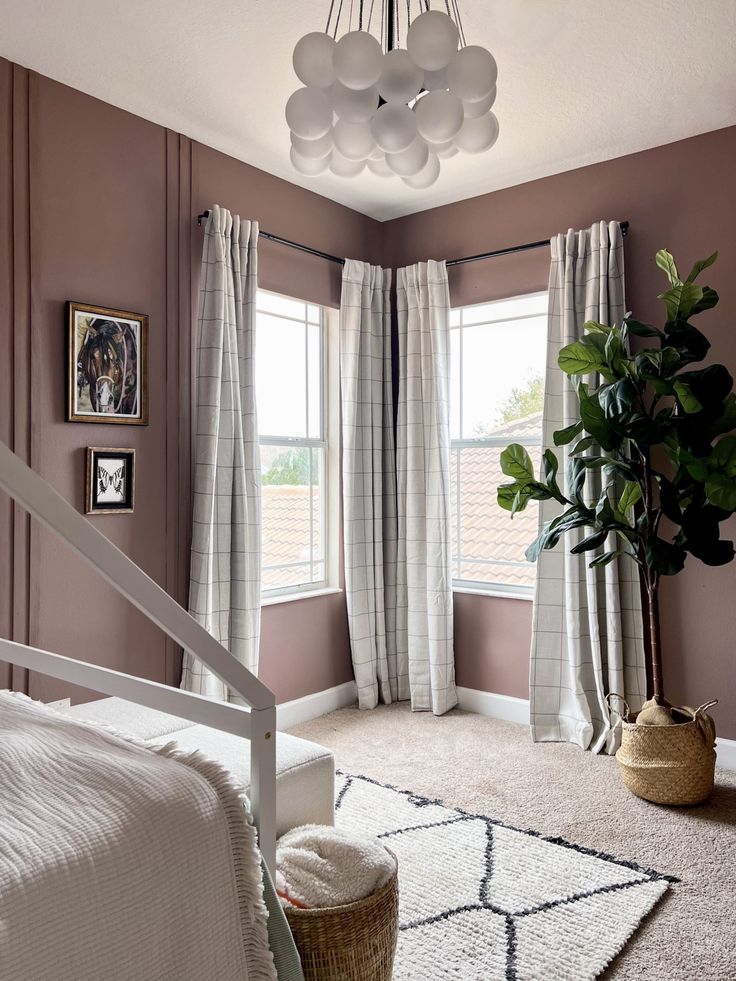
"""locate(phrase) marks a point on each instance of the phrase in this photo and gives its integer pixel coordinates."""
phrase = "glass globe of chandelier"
(368, 102)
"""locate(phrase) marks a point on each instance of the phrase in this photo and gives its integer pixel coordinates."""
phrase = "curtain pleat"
(587, 635)
(424, 561)
(225, 567)
(369, 481)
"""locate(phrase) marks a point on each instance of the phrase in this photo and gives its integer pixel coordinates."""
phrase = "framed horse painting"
(107, 373)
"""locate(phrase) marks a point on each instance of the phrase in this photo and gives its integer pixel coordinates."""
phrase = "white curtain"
(587, 635)
(225, 571)
(424, 572)
(369, 482)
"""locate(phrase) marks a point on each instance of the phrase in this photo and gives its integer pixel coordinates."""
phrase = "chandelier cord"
(370, 15)
(459, 22)
(337, 19)
(329, 16)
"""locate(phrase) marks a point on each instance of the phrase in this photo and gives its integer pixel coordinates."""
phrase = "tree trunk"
(655, 650)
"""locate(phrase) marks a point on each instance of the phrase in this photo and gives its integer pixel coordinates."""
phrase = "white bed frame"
(256, 723)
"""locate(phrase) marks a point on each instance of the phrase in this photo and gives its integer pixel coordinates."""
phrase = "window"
(291, 393)
(498, 364)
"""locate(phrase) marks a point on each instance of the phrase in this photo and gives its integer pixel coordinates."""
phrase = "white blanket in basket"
(121, 862)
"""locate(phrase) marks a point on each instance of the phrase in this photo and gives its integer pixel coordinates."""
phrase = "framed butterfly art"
(110, 480)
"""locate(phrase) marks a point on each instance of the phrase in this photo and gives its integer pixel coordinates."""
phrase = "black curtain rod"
(286, 241)
(451, 262)
(515, 248)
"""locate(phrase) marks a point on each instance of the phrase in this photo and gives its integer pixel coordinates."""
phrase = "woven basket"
(356, 942)
(669, 764)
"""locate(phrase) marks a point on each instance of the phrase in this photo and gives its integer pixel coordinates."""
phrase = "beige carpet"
(492, 768)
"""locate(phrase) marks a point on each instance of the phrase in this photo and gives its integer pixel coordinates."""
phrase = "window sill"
(496, 593)
(292, 597)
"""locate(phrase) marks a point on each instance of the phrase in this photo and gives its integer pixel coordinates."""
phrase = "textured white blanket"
(319, 867)
(121, 862)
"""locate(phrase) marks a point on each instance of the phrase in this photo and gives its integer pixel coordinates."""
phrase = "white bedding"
(121, 862)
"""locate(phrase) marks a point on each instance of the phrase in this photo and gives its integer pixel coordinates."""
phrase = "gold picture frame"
(110, 481)
(107, 365)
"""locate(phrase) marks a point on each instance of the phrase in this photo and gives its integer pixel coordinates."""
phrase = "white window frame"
(500, 589)
(329, 428)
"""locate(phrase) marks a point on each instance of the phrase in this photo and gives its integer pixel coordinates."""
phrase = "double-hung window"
(294, 427)
(498, 366)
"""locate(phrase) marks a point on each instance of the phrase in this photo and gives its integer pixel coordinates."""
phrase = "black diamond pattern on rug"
(483, 901)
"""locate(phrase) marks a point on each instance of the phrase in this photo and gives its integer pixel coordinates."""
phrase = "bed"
(118, 812)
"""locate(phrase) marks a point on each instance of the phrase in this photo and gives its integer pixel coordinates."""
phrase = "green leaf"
(594, 420)
(606, 559)
(629, 496)
(688, 340)
(604, 512)
(713, 553)
(551, 464)
(593, 327)
(575, 477)
(666, 262)
(505, 495)
(663, 557)
(686, 398)
(516, 463)
(564, 436)
(619, 467)
(614, 349)
(696, 466)
(642, 330)
(582, 445)
(700, 266)
(726, 421)
(617, 399)
(591, 542)
(710, 385)
(708, 300)
(721, 491)
(581, 358)
(724, 455)
(681, 299)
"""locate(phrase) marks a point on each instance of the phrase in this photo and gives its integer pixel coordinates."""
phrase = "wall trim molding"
(510, 709)
(726, 753)
(309, 707)
(505, 707)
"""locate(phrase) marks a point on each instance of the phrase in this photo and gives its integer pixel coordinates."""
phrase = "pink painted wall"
(683, 197)
(98, 205)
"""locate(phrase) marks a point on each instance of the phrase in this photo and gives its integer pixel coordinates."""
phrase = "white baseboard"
(504, 707)
(726, 753)
(517, 710)
(300, 710)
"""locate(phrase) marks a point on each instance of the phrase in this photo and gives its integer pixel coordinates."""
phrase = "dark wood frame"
(72, 308)
(105, 452)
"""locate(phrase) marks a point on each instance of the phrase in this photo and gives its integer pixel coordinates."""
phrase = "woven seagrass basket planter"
(670, 764)
(356, 942)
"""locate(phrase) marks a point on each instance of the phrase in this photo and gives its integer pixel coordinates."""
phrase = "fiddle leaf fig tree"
(659, 431)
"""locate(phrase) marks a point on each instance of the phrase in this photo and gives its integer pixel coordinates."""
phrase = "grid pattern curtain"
(225, 571)
(369, 482)
(587, 635)
(424, 572)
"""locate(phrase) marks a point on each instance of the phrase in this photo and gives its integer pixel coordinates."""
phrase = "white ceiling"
(579, 80)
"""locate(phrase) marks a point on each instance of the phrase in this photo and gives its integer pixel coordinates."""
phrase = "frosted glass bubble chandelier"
(366, 102)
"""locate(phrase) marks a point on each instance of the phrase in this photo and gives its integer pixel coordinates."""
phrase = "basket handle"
(705, 723)
(705, 706)
(612, 710)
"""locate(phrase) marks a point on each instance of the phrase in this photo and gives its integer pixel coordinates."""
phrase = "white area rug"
(481, 901)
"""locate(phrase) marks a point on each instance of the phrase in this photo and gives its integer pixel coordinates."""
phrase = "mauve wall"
(98, 205)
(683, 197)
